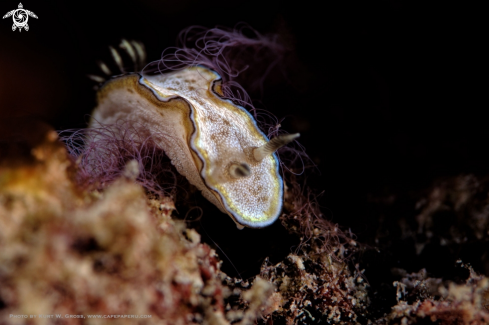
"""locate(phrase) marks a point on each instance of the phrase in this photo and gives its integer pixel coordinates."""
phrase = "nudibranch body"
(213, 142)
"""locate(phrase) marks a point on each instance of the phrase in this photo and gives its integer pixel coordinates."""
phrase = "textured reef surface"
(119, 250)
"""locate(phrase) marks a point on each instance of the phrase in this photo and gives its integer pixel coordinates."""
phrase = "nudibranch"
(213, 142)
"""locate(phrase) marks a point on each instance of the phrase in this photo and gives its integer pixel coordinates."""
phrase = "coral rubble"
(420, 297)
(116, 252)
(72, 251)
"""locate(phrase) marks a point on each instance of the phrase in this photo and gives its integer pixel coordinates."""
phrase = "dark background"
(388, 95)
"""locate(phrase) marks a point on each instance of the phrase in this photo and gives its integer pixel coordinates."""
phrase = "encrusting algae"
(68, 251)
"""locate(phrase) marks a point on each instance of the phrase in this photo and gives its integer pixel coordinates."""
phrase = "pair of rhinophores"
(213, 142)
